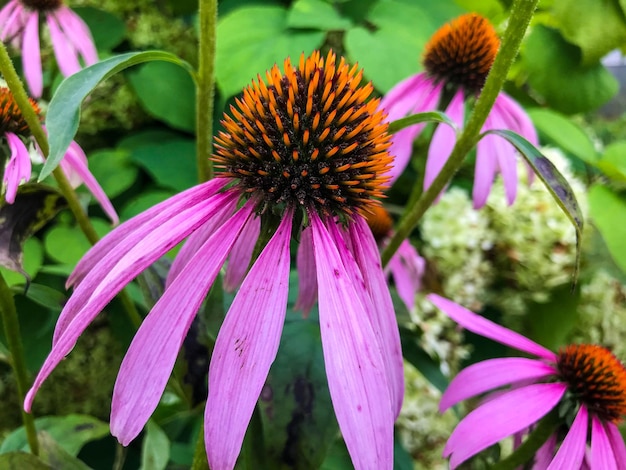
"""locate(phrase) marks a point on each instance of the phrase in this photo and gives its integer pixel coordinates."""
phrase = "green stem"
(204, 91)
(521, 14)
(14, 342)
(199, 455)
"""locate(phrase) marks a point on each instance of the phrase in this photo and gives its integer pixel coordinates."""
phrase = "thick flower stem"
(204, 89)
(521, 14)
(11, 327)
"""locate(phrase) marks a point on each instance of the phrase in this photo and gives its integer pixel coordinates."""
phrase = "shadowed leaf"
(430, 116)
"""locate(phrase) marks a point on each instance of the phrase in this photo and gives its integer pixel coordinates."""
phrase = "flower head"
(587, 382)
(306, 154)
(458, 59)
(15, 130)
(71, 38)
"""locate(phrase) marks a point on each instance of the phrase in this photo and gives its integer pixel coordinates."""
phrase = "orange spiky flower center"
(42, 5)
(596, 378)
(462, 52)
(380, 222)
(11, 119)
(307, 138)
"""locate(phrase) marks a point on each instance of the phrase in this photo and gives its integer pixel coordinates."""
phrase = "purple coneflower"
(15, 131)
(587, 382)
(304, 149)
(457, 60)
(71, 38)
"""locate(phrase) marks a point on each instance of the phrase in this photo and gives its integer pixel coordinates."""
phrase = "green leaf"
(34, 206)
(67, 244)
(32, 261)
(167, 92)
(63, 114)
(608, 211)
(554, 181)
(555, 73)
(72, 432)
(613, 161)
(250, 40)
(155, 449)
(107, 29)
(316, 14)
(113, 170)
(564, 133)
(428, 367)
(172, 164)
(22, 461)
(430, 116)
(144, 201)
(45, 296)
(52, 453)
(551, 322)
(596, 26)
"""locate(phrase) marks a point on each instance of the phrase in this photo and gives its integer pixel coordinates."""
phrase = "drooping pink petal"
(517, 119)
(19, 167)
(482, 326)
(77, 32)
(544, 455)
(64, 51)
(407, 268)
(245, 348)
(402, 98)
(501, 417)
(307, 279)
(443, 140)
(383, 317)
(485, 169)
(241, 254)
(154, 216)
(572, 451)
(491, 374)
(9, 16)
(31, 55)
(617, 444)
(601, 451)
(354, 363)
(77, 159)
(150, 359)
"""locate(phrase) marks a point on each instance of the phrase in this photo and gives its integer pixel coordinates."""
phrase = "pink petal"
(66, 55)
(443, 140)
(307, 280)
(491, 374)
(572, 451)
(241, 255)
(77, 32)
(77, 159)
(150, 359)
(617, 444)
(601, 450)
(482, 326)
(507, 159)
(485, 169)
(401, 99)
(245, 348)
(8, 16)
(407, 268)
(517, 119)
(31, 55)
(544, 455)
(354, 364)
(501, 417)
(19, 167)
(383, 317)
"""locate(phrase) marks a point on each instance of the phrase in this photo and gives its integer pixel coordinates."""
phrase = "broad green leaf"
(34, 206)
(613, 161)
(63, 114)
(554, 181)
(45, 296)
(144, 201)
(430, 116)
(556, 74)
(172, 164)
(33, 259)
(52, 453)
(72, 432)
(551, 322)
(113, 170)
(167, 92)
(250, 40)
(155, 449)
(22, 461)
(107, 29)
(67, 244)
(596, 26)
(608, 212)
(564, 133)
(316, 14)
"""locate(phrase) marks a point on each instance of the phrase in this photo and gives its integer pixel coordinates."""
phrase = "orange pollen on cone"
(596, 378)
(307, 137)
(11, 118)
(462, 52)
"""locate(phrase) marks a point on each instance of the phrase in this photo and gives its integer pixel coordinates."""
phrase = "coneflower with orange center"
(457, 60)
(16, 135)
(586, 382)
(305, 154)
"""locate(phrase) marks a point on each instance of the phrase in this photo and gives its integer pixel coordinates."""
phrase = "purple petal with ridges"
(544, 455)
(307, 279)
(245, 348)
(481, 326)
(407, 268)
(485, 169)
(354, 364)
(617, 444)
(507, 158)
(519, 120)
(8, 15)
(572, 451)
(19, 167)
(601, 455)
(64, 52)
(78, 33)
(154, 216)
(490, 374)
(31, 55)
(78, 161)
(443, 140)
(241, 254)
(13, 27)
(383, 318)
(501, 417)
(150, 359)
(401, 99)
